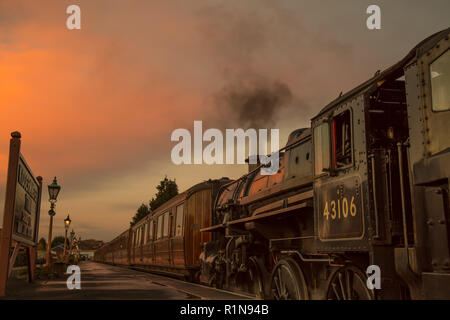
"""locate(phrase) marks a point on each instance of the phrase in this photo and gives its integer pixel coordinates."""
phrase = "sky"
(96, 107)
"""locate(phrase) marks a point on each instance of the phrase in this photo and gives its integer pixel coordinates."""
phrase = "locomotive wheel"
(349, 283)
(288, 282)
(255, 282)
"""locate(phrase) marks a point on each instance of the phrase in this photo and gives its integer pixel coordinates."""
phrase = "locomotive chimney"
(253, 162)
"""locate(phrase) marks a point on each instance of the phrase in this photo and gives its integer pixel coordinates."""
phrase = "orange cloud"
(96, 106)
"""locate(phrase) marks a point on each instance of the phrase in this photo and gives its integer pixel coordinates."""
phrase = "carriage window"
(342, 146)
(166, 225)
(160, 227)
(139, 237)
(440, 82)
(144, 233)
(150, 231)
(321, 148)
(179, 221)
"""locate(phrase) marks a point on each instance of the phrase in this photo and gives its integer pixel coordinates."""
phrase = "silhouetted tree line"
(167, 189)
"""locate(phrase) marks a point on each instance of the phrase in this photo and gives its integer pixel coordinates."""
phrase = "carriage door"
(133, 247)
(151, 240)
(170, 236)
(141, 242)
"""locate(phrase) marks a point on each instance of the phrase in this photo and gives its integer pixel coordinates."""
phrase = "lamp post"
(53, 190)
(67, 222)
(78, 247)
(72, 240)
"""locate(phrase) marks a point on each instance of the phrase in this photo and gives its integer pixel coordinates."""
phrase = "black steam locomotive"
(364, 189)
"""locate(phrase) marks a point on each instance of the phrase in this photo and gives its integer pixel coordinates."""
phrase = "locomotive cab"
(381, 155)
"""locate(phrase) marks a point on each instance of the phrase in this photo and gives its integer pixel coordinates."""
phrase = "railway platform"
(102, 281)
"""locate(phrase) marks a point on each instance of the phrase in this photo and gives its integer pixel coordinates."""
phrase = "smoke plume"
(253, 103)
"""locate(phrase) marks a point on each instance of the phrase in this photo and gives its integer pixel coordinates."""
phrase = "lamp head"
(67, 222)
(53, 190)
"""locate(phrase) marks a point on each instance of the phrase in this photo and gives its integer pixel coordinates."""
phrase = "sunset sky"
(96, 106)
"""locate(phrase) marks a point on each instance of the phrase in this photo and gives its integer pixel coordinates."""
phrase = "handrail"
(375, 200)
(402, 189)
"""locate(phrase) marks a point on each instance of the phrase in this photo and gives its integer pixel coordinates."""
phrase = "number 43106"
(340, 208)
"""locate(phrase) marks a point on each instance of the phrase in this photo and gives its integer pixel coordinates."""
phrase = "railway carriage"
(161, 242)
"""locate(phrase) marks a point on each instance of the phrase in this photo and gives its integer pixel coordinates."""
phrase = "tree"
(167, 189)
(141, 212)
(42, 244)
(57, 241)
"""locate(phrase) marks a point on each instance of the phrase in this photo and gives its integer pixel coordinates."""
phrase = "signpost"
(21, 214)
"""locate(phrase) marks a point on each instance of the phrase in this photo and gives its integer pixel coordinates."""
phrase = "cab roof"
(392, 72)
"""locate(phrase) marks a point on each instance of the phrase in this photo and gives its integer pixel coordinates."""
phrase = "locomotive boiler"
(366, 185)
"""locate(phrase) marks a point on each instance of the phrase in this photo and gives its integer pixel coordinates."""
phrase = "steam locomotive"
(366, 185)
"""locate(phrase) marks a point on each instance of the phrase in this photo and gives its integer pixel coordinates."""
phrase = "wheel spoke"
(280, 278)
(283, 290)
(335, 291)
(349, 284)
(276, 296)
(278, 289)
(341, 284)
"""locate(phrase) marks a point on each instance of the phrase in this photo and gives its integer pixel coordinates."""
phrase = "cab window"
(342, 146)
(440, 82)
(321, 148)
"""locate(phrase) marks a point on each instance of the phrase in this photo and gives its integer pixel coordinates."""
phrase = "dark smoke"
(253, 104)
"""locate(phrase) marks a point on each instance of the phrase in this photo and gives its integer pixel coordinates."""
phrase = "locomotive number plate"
(339, 210)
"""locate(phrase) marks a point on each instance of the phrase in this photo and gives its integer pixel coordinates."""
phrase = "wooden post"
(31, 259)
(32, 251)
(12, 260)
(8, 214)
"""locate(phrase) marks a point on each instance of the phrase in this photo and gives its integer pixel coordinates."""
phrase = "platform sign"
(26, 205)
(21, 213)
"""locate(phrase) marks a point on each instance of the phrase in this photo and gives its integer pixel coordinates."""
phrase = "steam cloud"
(253, 104)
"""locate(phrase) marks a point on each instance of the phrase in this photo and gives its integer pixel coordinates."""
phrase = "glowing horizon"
(96, 106)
